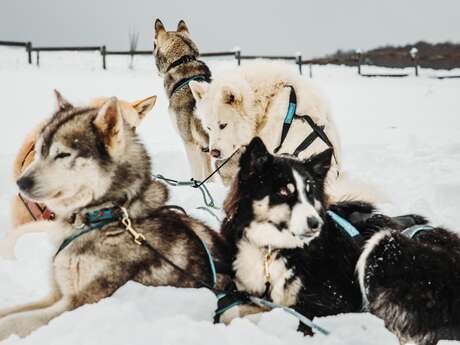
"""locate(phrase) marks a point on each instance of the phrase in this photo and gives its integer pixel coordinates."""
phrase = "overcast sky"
(311, 27)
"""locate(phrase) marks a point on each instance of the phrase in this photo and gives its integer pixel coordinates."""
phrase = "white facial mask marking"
(303, 210)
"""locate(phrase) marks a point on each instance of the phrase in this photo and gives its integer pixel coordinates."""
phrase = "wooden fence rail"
(13, 43)
(37, 50)
(27, 45)
(356, 60)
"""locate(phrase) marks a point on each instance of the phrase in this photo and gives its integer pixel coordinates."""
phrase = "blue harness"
(184, 82)
(317, 131)
(414, 230)
(96, 221)
(344, 224)
(351, 230)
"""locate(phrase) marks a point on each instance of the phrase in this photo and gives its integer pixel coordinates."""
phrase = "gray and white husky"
(176, 59)
(90, 162)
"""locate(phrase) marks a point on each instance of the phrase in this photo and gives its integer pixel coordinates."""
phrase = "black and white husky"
(412, 282)
(275, 210)
(289, 245)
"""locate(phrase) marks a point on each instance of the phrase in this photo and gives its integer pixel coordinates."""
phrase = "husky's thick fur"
(133, 113)
(253, 101)
(285, 246)
(413, 284)
(176, 59)
(88, 159)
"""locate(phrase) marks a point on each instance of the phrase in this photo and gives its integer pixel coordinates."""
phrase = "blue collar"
(344, 224)
(414, 230)
(95, 221)
(184, 82)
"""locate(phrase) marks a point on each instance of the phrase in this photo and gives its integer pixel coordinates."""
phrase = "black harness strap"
(180, 61)
(178, 268)
(318, 131)
(305, 143)
(292, 107)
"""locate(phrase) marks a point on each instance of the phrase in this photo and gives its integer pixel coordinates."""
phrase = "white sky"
(311, 27)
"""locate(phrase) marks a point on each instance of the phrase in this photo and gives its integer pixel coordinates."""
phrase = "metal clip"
(267, 261)
(137, 236)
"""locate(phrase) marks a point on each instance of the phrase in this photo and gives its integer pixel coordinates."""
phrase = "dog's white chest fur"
(251, 275)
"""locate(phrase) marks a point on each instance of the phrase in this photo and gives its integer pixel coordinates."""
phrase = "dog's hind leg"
(24, 323)
(43, 303)
(54, 296)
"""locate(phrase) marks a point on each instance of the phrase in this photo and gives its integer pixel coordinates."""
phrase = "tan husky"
(25, 211)
(111, 227)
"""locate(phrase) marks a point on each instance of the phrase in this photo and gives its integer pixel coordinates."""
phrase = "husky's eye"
(209, 128)
(222, 125)
(61, 155)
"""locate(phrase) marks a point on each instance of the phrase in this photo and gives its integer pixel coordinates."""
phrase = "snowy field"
(399, 134)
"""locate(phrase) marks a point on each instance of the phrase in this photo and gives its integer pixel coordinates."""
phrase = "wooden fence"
(356, 60)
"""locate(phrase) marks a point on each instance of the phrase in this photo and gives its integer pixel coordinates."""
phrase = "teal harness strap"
(184, 82)
(212, 265)
(344, 224)
(290, 113)
(306, 321)
(96, 219)
(288, 118)
(414, 230)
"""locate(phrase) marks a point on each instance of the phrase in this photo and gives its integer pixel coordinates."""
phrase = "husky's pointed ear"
(199, 89)
(231, 96)
(159, 27)
(320, 164)
(182, 27)
(61, 102)
(109, 122)
(144, 106)
(254, 159)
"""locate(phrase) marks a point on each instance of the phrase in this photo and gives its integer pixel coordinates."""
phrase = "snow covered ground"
(399, 134)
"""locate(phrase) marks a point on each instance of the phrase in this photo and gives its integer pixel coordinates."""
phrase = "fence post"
(29, 52)
(38, 58)
(310, 70)
(414, 55)
(238, 56)
(103, 53)
(299, 62)
(360, 54)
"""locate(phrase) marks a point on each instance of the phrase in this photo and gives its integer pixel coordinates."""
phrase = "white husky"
(253, 101)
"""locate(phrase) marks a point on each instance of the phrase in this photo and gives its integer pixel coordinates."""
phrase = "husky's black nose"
(215, 153)
(313, 222)
(25, 183)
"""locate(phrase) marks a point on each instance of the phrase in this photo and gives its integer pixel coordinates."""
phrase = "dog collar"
(344, 224)
(184, 82)
(94, 220)
(414, 230)
(180, 61)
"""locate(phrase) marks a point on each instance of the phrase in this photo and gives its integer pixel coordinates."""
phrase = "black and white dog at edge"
(294, 248)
